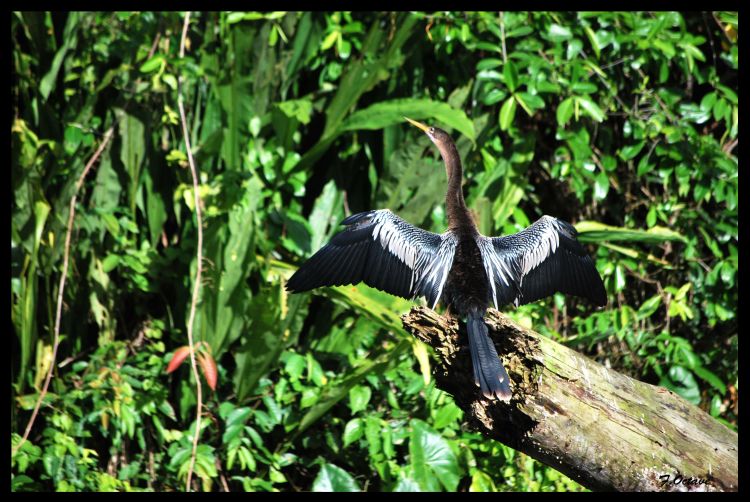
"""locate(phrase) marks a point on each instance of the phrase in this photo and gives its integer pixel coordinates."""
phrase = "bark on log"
(601, 428)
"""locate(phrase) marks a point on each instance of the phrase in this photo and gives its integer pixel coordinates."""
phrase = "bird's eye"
(432, 130)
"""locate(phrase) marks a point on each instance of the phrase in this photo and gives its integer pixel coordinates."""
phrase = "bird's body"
(460, 268)
(466, 285)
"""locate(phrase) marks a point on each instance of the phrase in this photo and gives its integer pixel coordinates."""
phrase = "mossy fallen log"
(601, 428)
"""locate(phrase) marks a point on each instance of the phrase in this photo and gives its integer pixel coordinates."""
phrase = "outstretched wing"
(383, 251)
(539, 261)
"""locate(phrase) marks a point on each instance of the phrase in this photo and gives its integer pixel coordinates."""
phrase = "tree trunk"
(601, 428)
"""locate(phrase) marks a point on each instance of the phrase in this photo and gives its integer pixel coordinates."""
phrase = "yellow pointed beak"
(418, 124)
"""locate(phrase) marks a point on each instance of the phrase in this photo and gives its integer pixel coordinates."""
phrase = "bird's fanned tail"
(489, 373)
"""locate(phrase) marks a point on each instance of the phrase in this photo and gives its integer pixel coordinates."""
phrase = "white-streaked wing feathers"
(537, 262)
(385, 252)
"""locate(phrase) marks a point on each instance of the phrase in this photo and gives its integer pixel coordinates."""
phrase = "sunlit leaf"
(391, 112)
(420, 352)
(332, 478)
(507, 113)
(353, 431)
(592, 231)
(711, 378)
(481, 482)
(684, 384)
(322, 217)
(406, 484)
(510, 72)
(601, 186)
(649, 306)
(359, 396)
(558, 33)
(591, 108)
(432, 459)
(564, 111)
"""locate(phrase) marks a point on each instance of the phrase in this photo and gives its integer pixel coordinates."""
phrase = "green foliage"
(625, 124)
(334, 479)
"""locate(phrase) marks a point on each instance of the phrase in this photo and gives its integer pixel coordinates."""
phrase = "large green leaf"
(593, 231)
(634, 253)
(406, 484)
(156, 208)
(305, 45)
(106, 192)
(391, 112)
(25, 311)
(236, 103)
(432, 459)
(682, 382)
(381, 307)
(332, 478)
(69, 41)
(323, 217)
(132, 152)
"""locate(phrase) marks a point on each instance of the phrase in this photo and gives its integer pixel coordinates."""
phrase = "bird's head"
(442, 140)
(437, 135)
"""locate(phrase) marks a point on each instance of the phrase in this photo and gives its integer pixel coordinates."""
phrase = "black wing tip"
(600, 298)
(595, 294)
(292, 289)
(294, 285)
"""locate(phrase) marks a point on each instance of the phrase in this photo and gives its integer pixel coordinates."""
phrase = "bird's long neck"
(458, 214)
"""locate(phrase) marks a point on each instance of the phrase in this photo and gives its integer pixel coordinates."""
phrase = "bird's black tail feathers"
(489, 373)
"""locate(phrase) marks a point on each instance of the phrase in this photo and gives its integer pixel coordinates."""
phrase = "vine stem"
(502, 36)
(199, 259)
(61, 288)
